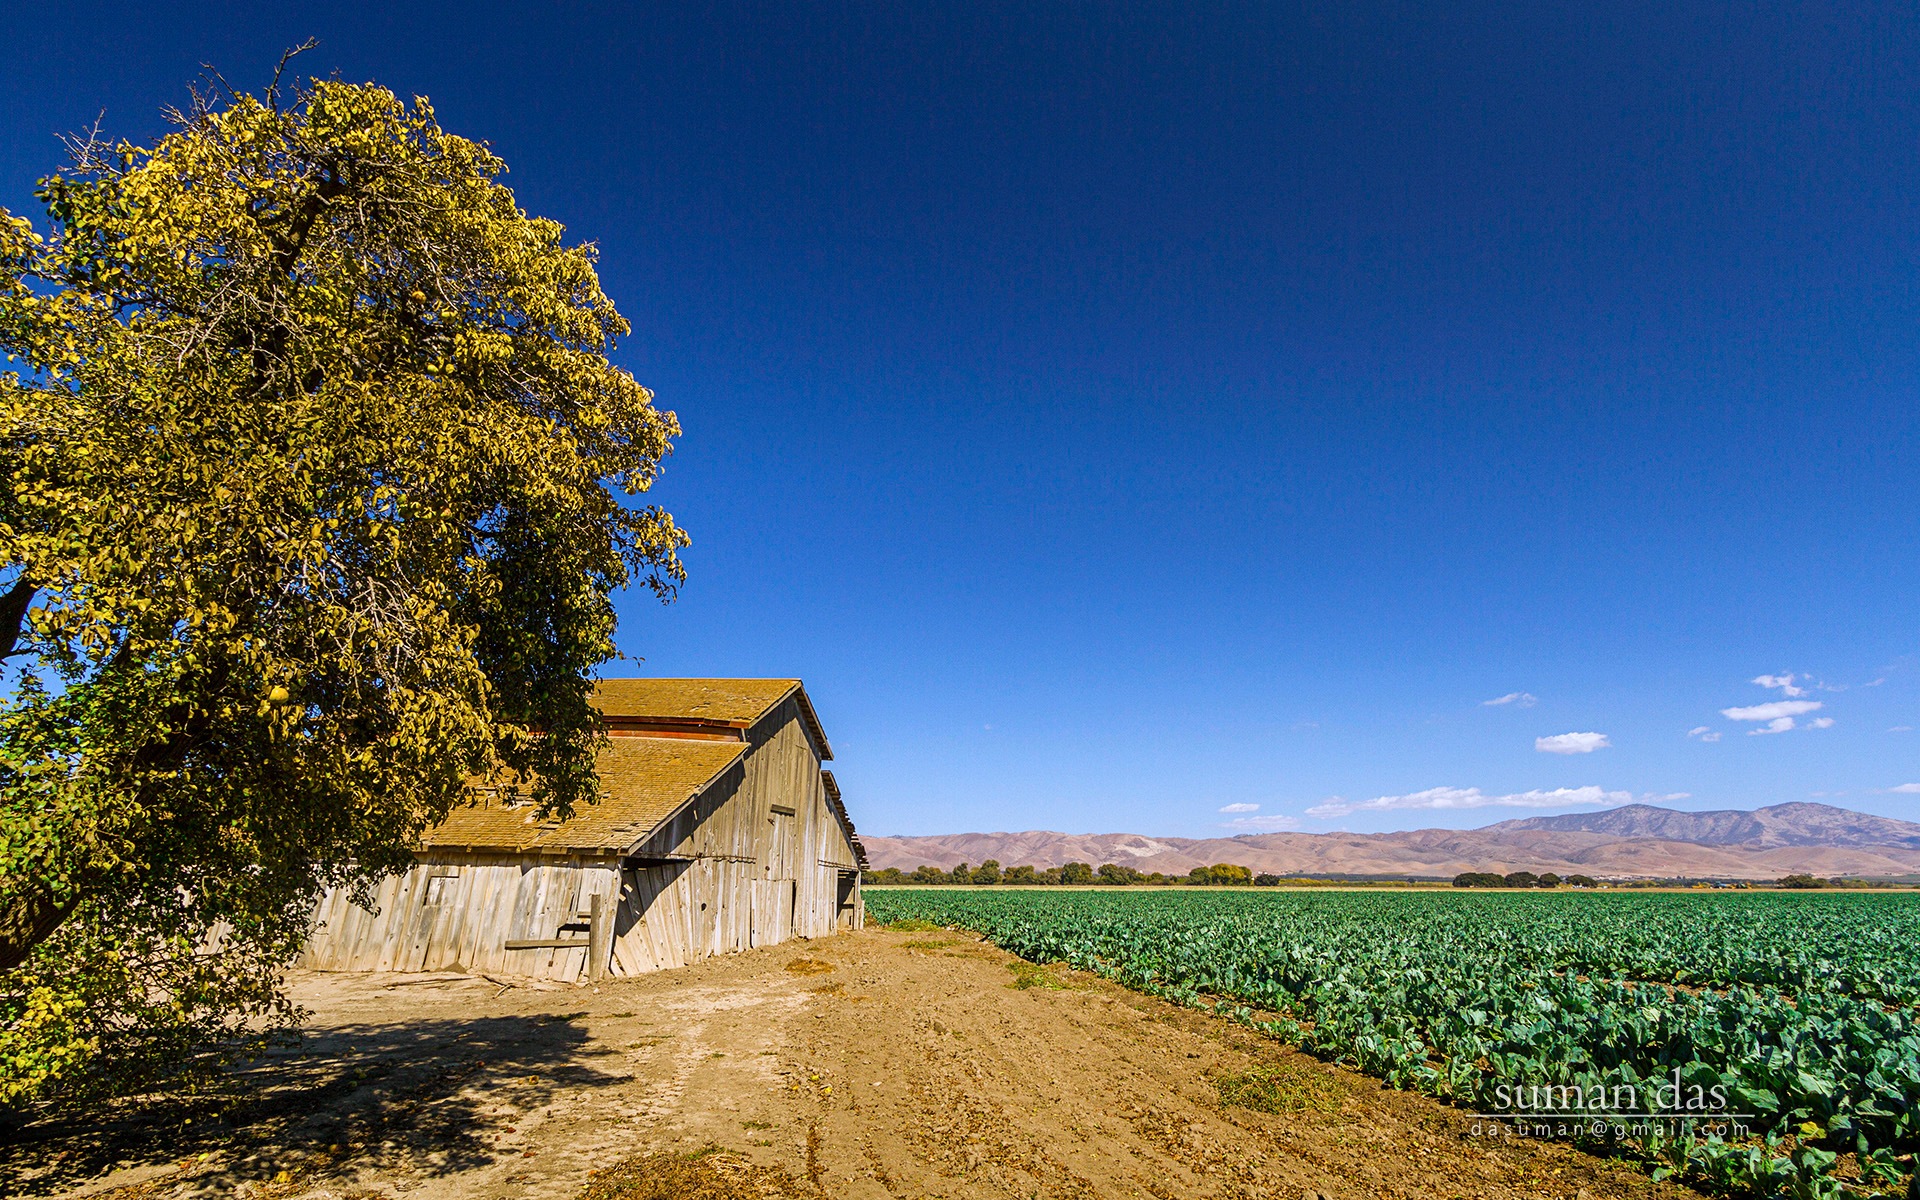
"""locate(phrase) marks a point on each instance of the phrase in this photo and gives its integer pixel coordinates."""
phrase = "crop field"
(1752, 1043)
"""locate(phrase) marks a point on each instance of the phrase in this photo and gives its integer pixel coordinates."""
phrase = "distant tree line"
(1799, 882)
(1520, 879)
(1527, 879)
(1079, 874)
(1073, 874)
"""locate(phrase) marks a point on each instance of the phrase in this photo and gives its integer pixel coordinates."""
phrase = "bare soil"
(878, 1064)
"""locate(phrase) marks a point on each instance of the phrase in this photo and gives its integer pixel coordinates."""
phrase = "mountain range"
(1633, 841)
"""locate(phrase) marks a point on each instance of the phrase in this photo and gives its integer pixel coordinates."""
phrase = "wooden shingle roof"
(736, 704)
(643, 781)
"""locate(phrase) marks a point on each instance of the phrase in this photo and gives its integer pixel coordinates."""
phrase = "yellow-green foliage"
(316, 480)
(1222, 873)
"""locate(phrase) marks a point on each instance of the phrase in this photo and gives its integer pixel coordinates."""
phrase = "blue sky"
(1120, 413)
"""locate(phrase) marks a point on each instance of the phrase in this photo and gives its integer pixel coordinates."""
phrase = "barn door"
(781, 845)
(786, 893)
(773, 895)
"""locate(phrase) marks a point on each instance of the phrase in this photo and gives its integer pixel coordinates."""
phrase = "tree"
(1584, 881)
(1520, 879)
(1547, 880)
(1801, 882)
(1022, 874)
(987, 872)
(927, 874)
(1229, 875)
(1076, 873)
(1266, 879)
(1116, 875)
(318, 488)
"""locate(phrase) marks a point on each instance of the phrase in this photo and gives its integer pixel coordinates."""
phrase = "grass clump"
(808, 966)
(709, 1174)
(913, 925)
(1043, 975)
(1281, 1089)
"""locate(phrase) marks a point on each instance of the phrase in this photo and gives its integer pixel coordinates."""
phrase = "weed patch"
(1042, 975)
(914, 925)
(1281, 1089)
(808, 966)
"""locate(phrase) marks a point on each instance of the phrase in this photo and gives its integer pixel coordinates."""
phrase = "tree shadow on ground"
(432, 1096)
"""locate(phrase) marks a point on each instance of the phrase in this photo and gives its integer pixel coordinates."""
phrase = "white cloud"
(1772, 711)
(1523, 699)
(1276, 823)
(1571, 743)
(1874, 682)
(1777, 725)
(1820, 723)
(1905, 789)
(1704, 733)
(1447, 798)
(1783, 682)
(1899, 729)
(1236, 808)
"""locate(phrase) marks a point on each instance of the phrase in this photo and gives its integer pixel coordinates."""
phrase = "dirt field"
(879, 1064)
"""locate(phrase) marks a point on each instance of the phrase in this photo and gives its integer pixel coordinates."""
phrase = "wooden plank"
(599, 938)
(543, 943)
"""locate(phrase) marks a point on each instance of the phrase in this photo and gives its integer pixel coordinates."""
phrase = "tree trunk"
(31, 919)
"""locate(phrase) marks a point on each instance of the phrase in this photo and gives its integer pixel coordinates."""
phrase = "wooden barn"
(717, 830)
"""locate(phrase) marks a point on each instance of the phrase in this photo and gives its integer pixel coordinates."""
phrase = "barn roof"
(645, 779)
(729, 703)
(643, 782)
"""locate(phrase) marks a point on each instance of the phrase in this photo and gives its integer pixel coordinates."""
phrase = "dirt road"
(872, 1065)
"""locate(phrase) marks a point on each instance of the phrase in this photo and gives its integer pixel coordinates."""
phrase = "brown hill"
(1638, 841)
(1779, 825)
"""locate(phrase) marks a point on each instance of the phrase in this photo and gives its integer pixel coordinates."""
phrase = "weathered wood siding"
(755, 859)
(456, 912)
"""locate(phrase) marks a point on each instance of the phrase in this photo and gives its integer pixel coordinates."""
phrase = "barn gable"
(716, 830)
